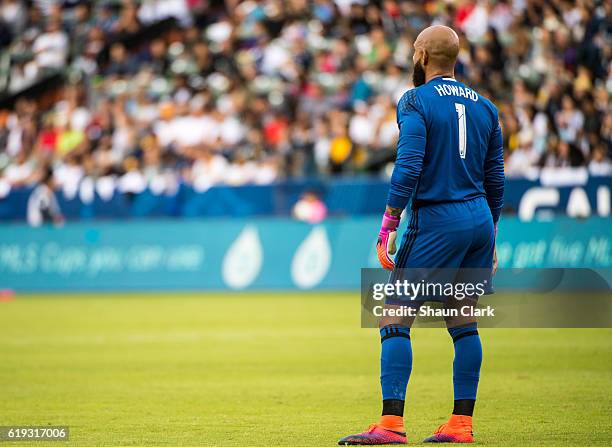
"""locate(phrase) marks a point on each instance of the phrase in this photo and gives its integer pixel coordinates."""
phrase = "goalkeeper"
(450, 164)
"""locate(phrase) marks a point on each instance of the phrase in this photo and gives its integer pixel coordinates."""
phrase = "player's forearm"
(495, 200)
(494, 188)
(495, 212)
(494, 173)
(410, 153)
(403, 181)
(395, 212)
(398, 197)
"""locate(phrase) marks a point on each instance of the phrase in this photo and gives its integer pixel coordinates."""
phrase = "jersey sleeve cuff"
(495, 215)
(395, 200)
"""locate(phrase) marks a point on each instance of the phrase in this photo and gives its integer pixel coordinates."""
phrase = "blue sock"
(468, 358)
(395, 361)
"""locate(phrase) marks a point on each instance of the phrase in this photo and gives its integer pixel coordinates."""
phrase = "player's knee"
(465, 330)
(394, 330)
(395, 316)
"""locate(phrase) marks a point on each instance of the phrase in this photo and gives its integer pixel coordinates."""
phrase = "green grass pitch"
(279, 369)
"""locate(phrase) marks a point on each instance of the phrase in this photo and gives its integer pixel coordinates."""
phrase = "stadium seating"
(192, 100)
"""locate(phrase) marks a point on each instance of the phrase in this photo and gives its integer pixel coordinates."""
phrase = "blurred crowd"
(255, 91)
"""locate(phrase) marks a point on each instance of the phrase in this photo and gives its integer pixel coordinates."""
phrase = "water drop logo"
(243, 260)
(311, 260)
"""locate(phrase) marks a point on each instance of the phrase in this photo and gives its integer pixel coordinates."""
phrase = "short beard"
(418, 74)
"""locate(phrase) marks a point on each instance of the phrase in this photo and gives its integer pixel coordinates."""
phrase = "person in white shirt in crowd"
(21, 172)
(209, 169)
(569, 120)
(600, 164)
(361, 127)
(132, 181)
(68, 174)
(43, 206)
(51, 47)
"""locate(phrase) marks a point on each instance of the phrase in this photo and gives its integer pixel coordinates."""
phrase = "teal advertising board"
(252, 254)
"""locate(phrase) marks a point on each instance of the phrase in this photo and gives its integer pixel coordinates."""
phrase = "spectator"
(21, 172)
(600, 164)
(42, 203)
(310, 208)
(208, 170)
(120, 63)
(51, 47)
(361, 129)
(569, 120)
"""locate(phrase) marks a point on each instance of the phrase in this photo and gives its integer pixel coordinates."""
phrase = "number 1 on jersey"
(460, 108)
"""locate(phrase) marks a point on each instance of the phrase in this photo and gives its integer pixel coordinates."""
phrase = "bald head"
(436, 49)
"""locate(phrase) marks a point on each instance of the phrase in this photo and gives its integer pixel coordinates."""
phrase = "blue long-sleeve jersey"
(449, 149)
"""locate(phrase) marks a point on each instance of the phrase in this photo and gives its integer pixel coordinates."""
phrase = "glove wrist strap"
(389, 222)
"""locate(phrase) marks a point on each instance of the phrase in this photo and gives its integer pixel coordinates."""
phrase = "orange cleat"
(375, 435)
(458, 429)
(390, 430)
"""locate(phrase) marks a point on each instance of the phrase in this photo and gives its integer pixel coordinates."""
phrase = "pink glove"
(386, 240)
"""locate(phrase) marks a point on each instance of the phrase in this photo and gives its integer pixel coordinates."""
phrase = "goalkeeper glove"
(386, 240)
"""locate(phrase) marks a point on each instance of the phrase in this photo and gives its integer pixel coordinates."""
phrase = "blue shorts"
(445, 238)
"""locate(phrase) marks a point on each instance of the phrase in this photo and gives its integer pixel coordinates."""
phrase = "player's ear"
(425, 58)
